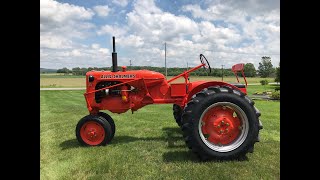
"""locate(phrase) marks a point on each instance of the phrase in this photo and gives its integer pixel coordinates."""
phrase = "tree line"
(265, 69)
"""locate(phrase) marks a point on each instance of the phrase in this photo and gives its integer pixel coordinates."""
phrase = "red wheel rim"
(223, 126)
(92, 133)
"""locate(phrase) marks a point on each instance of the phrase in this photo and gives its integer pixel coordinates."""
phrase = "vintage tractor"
(218, 120)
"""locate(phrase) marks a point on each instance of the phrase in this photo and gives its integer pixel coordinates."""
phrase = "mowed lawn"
(147, 145)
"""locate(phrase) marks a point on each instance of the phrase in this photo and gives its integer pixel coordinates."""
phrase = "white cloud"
(95, 46)
(76, 57)
(112, 30)
(122, 3)
(54, 42)
(61, 26)
(197, 12)
(130, 41)
(61, 22)
(158, 25)
(102, 11)
(210, 32)
(51, 10)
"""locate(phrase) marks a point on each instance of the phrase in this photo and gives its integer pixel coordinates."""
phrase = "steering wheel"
(207, 65)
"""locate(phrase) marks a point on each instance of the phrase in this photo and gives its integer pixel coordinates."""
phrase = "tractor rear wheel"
(177, 112)
(93, 131)
(110, 120)
(221, 123)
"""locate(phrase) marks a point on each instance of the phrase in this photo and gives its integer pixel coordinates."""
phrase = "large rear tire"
(220, 123)
(177, 112)
(93, 131)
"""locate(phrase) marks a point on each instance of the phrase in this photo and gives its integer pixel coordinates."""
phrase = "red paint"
(220, 125)
(92, 133)
(178, 90)
(239, 68)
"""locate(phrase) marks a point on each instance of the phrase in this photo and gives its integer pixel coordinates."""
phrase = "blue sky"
(78, 33)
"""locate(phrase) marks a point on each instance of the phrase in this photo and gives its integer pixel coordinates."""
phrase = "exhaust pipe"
(114, 57)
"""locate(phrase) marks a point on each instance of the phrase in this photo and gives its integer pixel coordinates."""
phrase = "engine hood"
(146, 74)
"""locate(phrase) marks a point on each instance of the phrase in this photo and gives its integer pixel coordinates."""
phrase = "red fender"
(197, 86)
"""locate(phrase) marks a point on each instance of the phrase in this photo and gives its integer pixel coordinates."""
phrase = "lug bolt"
(239, 127)
(228, 124)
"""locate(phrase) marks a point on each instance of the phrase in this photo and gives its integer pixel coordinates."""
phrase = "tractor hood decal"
(117, 76)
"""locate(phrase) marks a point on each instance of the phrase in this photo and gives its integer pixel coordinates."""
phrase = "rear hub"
(223, 126)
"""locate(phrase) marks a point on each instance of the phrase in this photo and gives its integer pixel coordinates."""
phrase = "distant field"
(57, 80)
(59, 75)
(62, 82)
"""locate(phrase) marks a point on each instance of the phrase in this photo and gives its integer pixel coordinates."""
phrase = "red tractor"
(218, 119)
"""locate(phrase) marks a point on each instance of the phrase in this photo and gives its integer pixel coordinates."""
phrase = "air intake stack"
(114, 57)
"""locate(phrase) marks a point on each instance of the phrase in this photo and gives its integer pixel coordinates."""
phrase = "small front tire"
(93, 131)
(108, 118)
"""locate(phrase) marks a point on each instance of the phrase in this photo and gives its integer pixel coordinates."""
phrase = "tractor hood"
(151, 78)
(120, 75)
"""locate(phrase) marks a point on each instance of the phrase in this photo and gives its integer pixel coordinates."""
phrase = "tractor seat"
(238, 85)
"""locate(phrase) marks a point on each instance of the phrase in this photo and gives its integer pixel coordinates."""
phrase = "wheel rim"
(92, 133)
(223, 126)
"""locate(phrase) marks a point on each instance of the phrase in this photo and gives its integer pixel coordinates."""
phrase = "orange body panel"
(178, 90)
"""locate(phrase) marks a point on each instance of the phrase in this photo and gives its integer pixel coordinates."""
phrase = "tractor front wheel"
(110, 120)
(93, 131)
(221, 123)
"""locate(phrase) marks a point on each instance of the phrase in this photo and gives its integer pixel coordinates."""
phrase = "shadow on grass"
(277, 85)
(171, 136)
(180, 156)
(188, 155)
(68, 144)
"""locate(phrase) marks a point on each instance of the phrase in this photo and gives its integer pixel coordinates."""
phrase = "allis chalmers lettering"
(117, 76)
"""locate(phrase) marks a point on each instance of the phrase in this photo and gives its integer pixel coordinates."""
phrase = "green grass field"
(147, 145)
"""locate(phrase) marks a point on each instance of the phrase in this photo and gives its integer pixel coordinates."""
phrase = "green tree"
(249, 70)
(64, 70)
(277, 79)
(76, 71)
(265, 67)
(83, 71)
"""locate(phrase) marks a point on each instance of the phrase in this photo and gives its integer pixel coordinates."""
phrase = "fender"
(197, 86)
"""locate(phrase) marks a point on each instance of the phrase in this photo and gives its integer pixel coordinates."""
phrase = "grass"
(260, 88)
(147, 145)
(79, 81)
